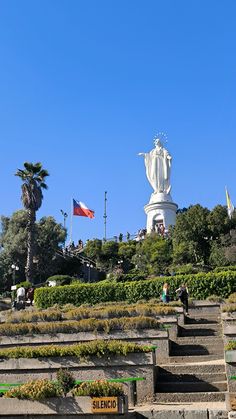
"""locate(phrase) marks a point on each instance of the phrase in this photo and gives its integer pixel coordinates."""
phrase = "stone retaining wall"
(155, 337)
(57, 405)
(132, 365)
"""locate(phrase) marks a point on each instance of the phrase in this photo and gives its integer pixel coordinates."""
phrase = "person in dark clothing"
(183, 296)
(30, 295)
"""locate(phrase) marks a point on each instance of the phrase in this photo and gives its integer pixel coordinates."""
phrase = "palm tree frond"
(43, 173)
(43, 185)
(29, 167)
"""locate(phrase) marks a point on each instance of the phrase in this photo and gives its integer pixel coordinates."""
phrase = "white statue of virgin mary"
(158, 165)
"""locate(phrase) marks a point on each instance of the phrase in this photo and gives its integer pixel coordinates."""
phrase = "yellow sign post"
(105, 405)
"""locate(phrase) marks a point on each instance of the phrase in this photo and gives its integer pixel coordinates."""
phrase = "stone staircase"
(196, 368)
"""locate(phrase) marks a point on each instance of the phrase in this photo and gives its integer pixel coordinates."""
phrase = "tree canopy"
(49, 237)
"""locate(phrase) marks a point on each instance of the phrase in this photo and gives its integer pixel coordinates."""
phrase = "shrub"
(201, 286)
(35, 316)
(123, 310)
(232, 298)
(229, 308)
(34, 390)
(61, 279)
(84, 325)
(65, 380)
(25, 284)
(100, 311)
(215, 299)
(225, 268)
(100, 388)
(97, 348)
(231, 346)
(131, 277)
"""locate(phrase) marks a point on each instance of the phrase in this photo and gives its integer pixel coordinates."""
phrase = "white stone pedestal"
(161, 210)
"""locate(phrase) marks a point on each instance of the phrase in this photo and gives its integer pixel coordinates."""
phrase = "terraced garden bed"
(88, 361)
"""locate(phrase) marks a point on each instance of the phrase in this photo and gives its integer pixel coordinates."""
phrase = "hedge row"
(76, 326)
(98, 348)
(44, 389)
(200, 286)
(98, 312)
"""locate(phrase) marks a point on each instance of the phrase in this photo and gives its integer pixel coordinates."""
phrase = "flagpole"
(71, 220)
(105, 217)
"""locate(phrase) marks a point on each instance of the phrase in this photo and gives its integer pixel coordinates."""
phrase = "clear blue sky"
(84, 87)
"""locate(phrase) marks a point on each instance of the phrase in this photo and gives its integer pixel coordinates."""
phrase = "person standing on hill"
(20, 294)
(183, 296)
(165, 293)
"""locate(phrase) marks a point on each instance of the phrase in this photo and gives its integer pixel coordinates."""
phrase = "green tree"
(13, 246)
(126, 252)
(156, 252)
(109, 255)
(93, 250)
(191, 231)
(218, 222)
(33, 178)
(13, 239)
(50, 236)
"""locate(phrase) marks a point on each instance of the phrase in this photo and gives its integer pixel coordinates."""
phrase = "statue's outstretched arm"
(142, 154)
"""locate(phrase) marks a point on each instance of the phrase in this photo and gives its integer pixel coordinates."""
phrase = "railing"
(75, 253)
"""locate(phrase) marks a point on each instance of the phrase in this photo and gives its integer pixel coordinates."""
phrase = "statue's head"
(158, 142)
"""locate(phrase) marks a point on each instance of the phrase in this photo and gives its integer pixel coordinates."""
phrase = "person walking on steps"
(183, 296)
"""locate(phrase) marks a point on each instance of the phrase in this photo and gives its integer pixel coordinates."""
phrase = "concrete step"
(197, 368)
(194, 358)
(216, 326)
(199, 340)
(193, 410)
(201, 320)
(217, 396)
(196, 349)
(190, 387)
(200, 330)
(203, 314)
(166, 376)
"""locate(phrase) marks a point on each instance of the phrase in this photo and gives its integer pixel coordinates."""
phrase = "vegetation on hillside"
(200, 286)
(97, 348)
(201, 240)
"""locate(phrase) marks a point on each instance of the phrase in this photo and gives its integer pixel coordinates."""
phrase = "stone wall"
(132, 365)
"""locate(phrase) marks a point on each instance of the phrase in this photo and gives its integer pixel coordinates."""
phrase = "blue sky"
(85, 86)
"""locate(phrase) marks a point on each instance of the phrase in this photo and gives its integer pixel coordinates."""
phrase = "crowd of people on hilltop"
(74, 248)
(141, 234)
(160, 230)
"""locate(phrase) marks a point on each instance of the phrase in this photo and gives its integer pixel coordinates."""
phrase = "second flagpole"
(71, 221)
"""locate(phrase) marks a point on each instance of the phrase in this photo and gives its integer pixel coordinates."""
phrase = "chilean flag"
(79, 208)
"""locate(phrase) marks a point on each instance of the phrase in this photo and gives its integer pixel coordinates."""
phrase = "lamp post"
(65, 215)
(14, 269)
(89, 270)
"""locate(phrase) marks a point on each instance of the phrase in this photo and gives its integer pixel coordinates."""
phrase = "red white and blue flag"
(79, 208)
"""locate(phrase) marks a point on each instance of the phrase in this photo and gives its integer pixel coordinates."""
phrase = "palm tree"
(33, 177)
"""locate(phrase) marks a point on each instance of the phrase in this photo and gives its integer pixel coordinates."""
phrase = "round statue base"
(161, 213)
